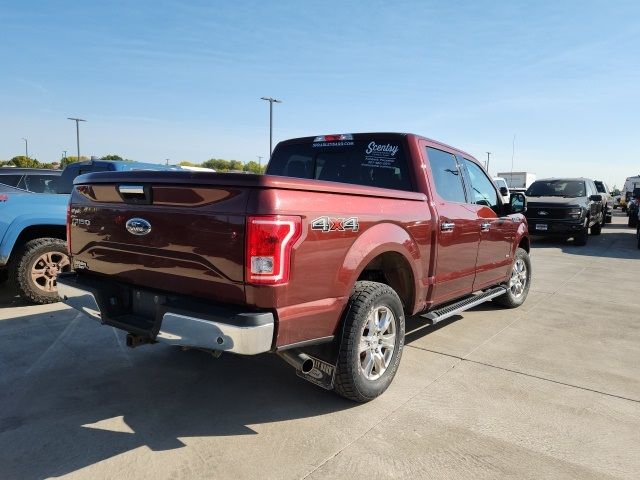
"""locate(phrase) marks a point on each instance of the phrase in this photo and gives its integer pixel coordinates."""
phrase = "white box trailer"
(630, 183)
(518, 180)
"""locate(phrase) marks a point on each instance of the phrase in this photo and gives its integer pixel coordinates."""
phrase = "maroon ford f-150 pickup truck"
(319, 260)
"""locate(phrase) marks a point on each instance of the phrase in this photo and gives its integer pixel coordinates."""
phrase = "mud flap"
(322, 374)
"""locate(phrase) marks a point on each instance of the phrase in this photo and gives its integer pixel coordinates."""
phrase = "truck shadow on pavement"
(72, 395)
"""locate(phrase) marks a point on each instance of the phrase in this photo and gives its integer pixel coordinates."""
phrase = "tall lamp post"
(488, 155)
(26, 148)
(77, 120)
(271, 102)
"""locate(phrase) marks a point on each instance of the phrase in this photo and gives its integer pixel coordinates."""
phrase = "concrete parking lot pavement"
(549, 390)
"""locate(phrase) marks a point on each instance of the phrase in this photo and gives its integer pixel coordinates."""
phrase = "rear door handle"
(447, 226)
(485, 226)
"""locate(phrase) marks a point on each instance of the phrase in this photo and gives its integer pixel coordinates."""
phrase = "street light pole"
(260, 162)
(77, 120)
(271, 102)
(488, 154)
(26, 147)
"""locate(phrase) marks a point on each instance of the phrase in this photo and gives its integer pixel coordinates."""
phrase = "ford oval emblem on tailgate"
(138, 226)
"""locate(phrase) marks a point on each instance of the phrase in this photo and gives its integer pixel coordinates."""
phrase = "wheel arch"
(386, 253)
(21, 232)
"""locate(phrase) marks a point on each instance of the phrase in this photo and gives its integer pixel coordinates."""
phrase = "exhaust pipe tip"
(307, 366)
(298, 360)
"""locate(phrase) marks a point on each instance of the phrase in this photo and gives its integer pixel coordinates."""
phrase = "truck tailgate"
(181, 238)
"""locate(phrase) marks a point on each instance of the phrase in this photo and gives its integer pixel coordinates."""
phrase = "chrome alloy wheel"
(518, 280)
(377, 342)
(46, 268)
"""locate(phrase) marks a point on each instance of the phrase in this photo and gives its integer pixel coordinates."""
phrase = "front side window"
(482, 189)
(446, 175)
(601, 187)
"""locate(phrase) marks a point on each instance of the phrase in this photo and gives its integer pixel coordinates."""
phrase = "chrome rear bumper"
(247, 333)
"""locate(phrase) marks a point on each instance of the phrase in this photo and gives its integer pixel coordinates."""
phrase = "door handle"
(447, 226)
(485, 226)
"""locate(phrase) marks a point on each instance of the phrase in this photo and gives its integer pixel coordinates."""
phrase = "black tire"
(609, 218)
(581, 238)
(633, 220)
(511, 299)
(351, 381)
(638, 237)
(26, 258)
(596, 229)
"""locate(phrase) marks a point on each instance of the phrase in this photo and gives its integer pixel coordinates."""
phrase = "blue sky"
(182, 79)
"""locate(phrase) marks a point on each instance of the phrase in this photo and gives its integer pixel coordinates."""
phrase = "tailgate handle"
(140, 194)
(131, 189)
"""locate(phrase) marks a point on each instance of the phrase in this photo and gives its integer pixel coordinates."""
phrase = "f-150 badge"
(328, 224)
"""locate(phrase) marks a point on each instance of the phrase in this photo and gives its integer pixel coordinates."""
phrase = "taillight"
(69, 228)
(269, 243)
(4, 197)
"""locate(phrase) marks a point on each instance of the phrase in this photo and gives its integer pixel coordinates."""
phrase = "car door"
(457, 232)
(496, 229)
(594, 207)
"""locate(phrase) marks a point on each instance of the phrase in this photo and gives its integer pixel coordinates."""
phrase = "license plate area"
(542, 226)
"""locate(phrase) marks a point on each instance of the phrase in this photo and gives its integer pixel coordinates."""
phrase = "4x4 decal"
(329, 224)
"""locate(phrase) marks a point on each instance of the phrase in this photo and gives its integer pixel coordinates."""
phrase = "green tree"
(253, 167)
(236, 165)
(218, 164)
(112, 157)
(185, 163)
(67, 160)
(24, 162)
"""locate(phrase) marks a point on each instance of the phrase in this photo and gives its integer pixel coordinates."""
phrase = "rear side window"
(41, 183)
(446, 175)
(482, 190)
(11, 180)
(375, 161)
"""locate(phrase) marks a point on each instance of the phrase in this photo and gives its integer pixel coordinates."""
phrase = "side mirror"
(595, 198)
(504, 191)
(517, 203)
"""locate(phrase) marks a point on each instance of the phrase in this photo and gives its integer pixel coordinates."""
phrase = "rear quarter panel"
(326, 264)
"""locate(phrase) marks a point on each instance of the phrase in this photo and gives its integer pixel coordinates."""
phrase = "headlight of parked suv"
(575, 213)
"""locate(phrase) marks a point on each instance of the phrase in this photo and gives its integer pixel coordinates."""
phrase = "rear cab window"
(41, 183)
(370, 160)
